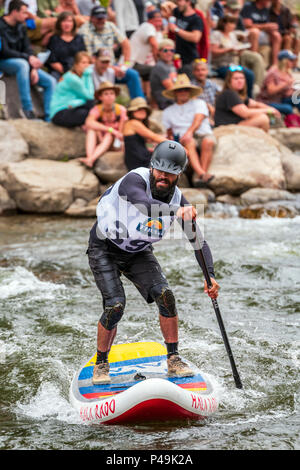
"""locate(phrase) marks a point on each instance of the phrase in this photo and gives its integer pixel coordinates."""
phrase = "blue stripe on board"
(121, 387)
(87, 372)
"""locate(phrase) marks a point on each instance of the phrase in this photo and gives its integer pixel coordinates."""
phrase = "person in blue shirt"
(73, 97)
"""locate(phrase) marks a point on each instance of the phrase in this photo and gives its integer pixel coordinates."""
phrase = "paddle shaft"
(202, 263)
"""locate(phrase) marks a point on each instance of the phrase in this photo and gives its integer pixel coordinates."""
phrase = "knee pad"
(112, 315)
(165, 301)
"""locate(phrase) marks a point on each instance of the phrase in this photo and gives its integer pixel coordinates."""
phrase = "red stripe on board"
(154, 410)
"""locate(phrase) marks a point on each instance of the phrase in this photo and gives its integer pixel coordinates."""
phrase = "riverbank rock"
(50, 142)
(46, 186)
(288, 136)
(13, 148)
(7, 204)
(291, 166)
(110, 167)
(263, 195)
(198, 196)
(82, 208)
(280, 209)
(245, 158)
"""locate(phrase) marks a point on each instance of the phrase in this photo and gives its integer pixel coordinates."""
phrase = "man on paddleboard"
(133, 214)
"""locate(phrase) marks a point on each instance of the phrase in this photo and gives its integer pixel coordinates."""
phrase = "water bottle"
(117, 143)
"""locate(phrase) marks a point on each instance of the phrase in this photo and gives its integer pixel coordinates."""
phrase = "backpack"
(292, 120)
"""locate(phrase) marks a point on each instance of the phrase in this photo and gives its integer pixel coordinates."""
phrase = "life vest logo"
(151, 227)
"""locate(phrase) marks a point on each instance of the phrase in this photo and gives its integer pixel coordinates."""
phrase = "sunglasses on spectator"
(168, 50)
(236, 68)
(200, 61)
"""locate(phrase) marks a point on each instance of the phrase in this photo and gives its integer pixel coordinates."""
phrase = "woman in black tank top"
(137, 134)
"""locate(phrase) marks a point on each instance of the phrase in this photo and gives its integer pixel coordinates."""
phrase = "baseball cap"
(103, 55)
(99, 12)
(286, 54)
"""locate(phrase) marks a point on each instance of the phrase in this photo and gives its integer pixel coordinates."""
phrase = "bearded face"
(162, 185)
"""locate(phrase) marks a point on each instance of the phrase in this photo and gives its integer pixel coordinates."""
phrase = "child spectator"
(74, 94)
(163, 74)
(277, 89)
(137, 134)
(187, 121)
(234, 107)
(64, 45)
(104, 124)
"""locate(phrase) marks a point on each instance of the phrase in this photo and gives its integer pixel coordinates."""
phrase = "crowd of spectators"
(230, 64)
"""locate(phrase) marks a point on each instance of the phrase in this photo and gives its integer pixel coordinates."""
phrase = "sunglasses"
(200, 61)
(168, 50)
(236, 68)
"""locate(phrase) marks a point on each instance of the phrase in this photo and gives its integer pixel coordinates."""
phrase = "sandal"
(203, 180)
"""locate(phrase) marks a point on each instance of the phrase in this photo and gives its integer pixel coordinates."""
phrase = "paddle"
(198, 240)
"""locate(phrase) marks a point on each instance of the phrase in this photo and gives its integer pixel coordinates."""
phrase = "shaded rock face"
(47, 141)
(245, 158)
(13, 147)
(110, 167)
(46, 186)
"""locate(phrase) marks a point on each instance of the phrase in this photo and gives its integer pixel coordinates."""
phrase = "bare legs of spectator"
(259, 120)
(291, 43)
(276, 40)
(47, 29)
(94, 151)
(200, 165)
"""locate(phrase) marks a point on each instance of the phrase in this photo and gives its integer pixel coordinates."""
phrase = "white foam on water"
(49, 403)
(21, 281)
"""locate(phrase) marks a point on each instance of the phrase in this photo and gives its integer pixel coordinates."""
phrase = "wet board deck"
(130, 364)
(140, 389)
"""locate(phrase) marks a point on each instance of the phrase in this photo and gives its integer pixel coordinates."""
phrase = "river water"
(49, 308)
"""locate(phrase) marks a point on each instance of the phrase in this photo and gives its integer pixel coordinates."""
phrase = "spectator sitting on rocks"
(73, 97)
(16, 58)
(144, 47)
(137, 133)
(104, 124)
(277, 89)
(98, 33)
(283, 16)
(226, 49)
(103, 71)
(163, 74)
(187, 121)
(256, 17)
(86, 6)
(234, 107)
(188, 28)
(39, 30)
(52, 8)
(210, 88)
(64, 45)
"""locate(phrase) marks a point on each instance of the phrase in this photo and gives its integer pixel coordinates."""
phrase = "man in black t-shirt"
(188, 31)
(256, 15)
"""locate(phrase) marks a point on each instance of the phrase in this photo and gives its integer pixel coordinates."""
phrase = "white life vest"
(125, 225)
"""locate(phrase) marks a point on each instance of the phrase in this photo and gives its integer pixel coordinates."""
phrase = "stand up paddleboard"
(140, 389)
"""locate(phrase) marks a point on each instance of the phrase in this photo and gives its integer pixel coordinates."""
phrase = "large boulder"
(288, 136)
(46, 186)
(245, 157)
(13, 147)
(110, 167)
(7, 204)
(45, 140)
(291, 166)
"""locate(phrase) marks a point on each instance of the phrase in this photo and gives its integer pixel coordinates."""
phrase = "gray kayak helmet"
(169, 156)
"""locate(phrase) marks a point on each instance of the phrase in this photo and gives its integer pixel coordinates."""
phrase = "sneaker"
(29, 114)
(101, 374)
(178, 368)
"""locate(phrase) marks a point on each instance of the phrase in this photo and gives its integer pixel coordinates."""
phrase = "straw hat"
(106, 86)
(182, 82)
(138, 103)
